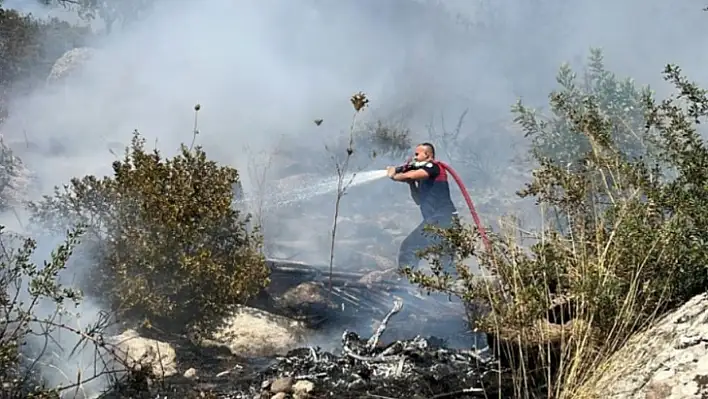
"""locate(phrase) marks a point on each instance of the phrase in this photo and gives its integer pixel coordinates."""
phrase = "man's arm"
(428, 171)
(415, 194)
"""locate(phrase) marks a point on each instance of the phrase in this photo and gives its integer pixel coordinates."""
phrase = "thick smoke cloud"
(266, 69)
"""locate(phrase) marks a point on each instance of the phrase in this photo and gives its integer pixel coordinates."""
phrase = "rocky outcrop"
(668, 361)
(68, 63)
(253, 332)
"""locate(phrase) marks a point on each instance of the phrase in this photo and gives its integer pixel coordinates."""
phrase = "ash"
(416, 368)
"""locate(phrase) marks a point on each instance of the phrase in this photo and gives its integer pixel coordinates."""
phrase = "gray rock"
(69, 63)
(668, 361)
(190, 373)
(138, 351)
(253, 332)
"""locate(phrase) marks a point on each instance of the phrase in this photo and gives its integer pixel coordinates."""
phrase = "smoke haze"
(264, 70)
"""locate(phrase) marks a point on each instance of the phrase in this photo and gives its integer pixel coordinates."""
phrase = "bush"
(169, 245)
(623, 179)
(44, 342)
(24, 289)
(14, 178)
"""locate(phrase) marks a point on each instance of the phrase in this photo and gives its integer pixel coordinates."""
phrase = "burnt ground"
(423, 351)
(413, 368)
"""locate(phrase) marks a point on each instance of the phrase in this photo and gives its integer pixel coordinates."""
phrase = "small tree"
(625, 179)
(29, 330)
(380, 139)
(344, 177)
(169, 244)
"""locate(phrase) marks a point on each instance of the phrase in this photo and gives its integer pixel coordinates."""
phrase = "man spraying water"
(430, 189)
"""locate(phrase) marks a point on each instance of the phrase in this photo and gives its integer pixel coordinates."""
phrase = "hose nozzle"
(406, 166)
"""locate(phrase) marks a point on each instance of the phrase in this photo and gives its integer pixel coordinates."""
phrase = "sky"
(264, 70)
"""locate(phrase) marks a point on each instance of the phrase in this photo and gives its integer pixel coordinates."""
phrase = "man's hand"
(390, 171)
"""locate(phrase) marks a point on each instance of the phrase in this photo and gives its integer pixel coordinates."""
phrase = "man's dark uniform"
(437, 209)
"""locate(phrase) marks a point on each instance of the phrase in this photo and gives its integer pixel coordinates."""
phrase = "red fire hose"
(466, 195)
(470, 205)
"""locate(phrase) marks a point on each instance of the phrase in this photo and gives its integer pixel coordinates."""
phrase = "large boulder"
(252, 332)
(668, 361)
(136, 352)
(69, 63)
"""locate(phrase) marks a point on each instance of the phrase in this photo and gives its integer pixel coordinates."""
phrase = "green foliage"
(28, 49)
(36, 311)
(619, 101)
(625, 178)
(13, 178)
(170, 246)
(23, 287)
(109, 11)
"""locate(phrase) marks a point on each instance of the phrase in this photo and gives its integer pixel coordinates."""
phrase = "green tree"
(626, 176)
(108, 11)
(28, 49)
(554, 137)
(169, 245)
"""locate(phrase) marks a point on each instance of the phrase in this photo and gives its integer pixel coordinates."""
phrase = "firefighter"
(430, 190)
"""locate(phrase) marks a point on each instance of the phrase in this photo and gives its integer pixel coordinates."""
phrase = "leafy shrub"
(169, 244)
(624, 178)
(18, 273)
(24, 289)
(38, 341)
(14, 178)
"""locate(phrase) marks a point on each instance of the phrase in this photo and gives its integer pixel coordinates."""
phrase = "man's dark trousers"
(419, 240)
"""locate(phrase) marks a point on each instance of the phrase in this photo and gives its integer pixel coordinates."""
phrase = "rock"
(190, 373)
(284, 384)
(302, 389)
(138, 351)
(68, 63)
(253, 332)
(279, 395)
(377, 276)
(668, 361)
(303, 297)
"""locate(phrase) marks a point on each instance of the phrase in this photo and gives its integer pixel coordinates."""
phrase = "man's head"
(424, 152)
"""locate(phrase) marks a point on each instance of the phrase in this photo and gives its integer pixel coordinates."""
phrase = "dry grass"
(565, 354)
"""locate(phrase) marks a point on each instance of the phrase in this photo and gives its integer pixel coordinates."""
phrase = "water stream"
(314, 189)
